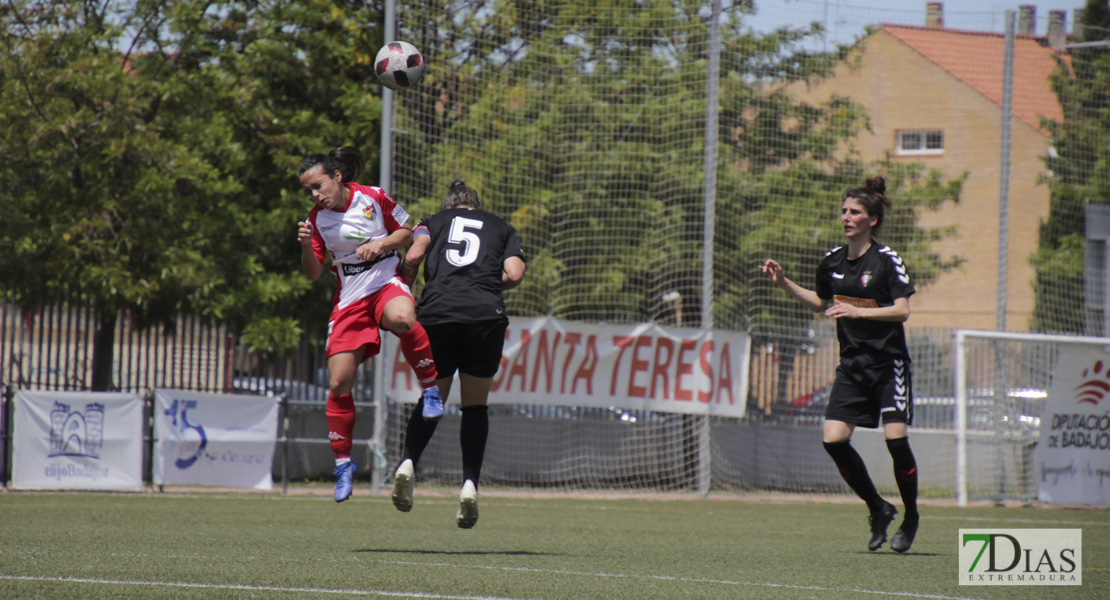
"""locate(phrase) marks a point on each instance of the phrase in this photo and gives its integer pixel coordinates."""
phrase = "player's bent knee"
(400, 323)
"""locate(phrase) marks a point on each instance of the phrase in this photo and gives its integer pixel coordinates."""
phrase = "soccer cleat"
(468, 506)
(903, 538)
(344, 479)
(403, 485)
(433, 405)
(879, 522)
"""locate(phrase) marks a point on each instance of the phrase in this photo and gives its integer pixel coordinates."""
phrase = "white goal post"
(1002, 384)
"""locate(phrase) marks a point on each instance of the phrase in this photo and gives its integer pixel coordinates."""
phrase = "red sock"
(418, 353)
(341, 423)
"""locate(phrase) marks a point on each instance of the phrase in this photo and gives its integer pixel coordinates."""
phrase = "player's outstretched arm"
(807, 297)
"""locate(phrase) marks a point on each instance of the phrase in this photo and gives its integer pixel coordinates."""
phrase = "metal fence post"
(284, 401)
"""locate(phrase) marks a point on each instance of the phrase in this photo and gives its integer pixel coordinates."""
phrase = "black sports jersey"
(463, 266)
(877, 278)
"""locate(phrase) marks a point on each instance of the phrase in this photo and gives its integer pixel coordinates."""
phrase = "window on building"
(919, 141)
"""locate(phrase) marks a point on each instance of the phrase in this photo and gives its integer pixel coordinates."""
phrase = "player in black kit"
(471, 257)
(864, 285)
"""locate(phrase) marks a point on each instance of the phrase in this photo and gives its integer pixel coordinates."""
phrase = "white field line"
(401, 594)
(816, 588)
(251, 588)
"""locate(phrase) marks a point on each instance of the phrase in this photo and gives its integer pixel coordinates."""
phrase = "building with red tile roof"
(1034, 63)
(934, 96)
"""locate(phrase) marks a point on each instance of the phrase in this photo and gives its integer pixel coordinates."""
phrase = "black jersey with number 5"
(877, 278)
(463, 264)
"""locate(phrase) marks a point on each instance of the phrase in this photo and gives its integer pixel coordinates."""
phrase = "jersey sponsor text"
(860, 302)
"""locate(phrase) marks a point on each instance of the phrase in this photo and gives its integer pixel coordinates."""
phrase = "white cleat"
(403, 485)
(468, 506)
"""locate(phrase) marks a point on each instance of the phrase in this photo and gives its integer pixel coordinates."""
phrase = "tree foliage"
(150, 151)
(585, 125)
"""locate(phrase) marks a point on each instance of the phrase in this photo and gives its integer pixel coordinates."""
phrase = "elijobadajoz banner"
(77, 441)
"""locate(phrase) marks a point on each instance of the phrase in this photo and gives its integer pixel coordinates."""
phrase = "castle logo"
(74, 433)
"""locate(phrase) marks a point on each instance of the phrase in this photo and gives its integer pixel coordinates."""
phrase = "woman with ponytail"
(470, 257)
(359, 228)
(865, 286)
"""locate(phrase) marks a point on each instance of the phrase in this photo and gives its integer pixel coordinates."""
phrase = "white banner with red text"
(77, 441)
(1073, 452)
(632, 367)
(214, 439)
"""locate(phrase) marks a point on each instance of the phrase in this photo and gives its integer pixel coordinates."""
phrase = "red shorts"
(356, 326)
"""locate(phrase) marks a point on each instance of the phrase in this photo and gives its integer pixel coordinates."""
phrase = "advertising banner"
(77, 441)
(1073, 452)
(632, 367)
(214, 439)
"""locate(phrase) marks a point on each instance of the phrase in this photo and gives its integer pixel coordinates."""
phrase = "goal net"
(636, 148)
(1003, 386)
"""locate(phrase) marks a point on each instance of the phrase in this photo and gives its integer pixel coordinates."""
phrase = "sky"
(845, 19)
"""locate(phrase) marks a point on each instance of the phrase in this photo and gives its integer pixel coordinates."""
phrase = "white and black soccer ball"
(399, 65)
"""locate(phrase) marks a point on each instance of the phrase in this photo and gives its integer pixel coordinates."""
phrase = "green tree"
(585, 125)
(1078, 167)
(150, 152)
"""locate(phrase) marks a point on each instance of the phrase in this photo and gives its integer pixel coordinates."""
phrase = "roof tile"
(976, 58)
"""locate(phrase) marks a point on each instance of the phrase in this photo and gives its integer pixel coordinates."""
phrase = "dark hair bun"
(876, 184)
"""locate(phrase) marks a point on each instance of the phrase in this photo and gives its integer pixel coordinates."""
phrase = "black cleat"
(879, 522)
(903, 538)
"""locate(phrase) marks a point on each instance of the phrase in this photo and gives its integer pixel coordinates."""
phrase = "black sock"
(472, 438)
(854, 472)
(418, 433)
(905, 473)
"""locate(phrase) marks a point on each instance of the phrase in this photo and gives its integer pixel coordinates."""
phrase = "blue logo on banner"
(74, 433)
(184, 427)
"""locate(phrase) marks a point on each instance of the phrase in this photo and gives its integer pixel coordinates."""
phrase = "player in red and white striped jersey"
(359, 229)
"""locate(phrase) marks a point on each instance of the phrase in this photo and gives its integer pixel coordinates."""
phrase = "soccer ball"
(399, 65)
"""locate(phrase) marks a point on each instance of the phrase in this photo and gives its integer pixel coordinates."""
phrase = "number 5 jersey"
(463, 266)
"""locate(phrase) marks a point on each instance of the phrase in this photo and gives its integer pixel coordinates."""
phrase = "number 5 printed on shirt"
(470, 241)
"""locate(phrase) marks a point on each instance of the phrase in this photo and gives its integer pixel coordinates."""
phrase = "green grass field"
(304, 545)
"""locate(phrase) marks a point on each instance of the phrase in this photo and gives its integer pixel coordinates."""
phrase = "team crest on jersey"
(369, 212)
(865, 278)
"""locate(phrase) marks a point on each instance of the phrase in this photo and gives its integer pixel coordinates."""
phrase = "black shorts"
(865, 391)
(470, 348)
